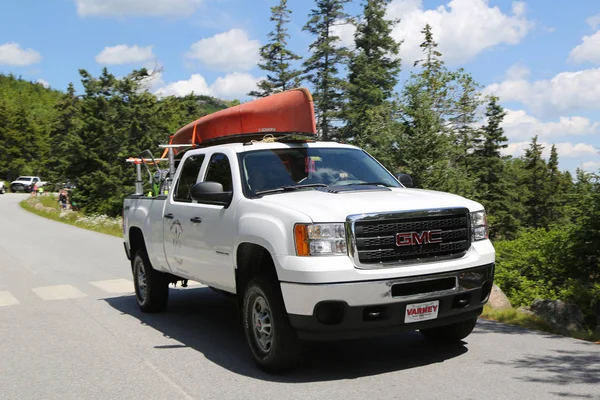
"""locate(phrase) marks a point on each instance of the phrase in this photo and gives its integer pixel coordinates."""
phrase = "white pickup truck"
(317, 241)
(25, 183)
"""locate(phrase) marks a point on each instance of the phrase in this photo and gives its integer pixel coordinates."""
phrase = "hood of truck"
(322, 206)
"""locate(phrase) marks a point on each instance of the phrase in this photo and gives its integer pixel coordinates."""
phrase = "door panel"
(177, 232)
(210, 245)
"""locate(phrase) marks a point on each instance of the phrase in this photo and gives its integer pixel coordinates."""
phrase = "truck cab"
(316, 241)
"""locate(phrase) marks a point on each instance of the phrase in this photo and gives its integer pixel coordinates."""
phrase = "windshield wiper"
(291, 188)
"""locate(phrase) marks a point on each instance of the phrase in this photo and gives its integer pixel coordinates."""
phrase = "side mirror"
(211, 193)
(405, 179)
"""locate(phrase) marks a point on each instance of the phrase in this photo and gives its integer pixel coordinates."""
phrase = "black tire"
(450, 334)
(283, 352)
(151, 287)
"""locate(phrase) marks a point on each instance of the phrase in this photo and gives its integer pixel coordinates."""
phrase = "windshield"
(24, 178)
(265, 170)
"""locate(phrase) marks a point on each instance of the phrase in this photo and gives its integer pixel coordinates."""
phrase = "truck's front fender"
(269, 227)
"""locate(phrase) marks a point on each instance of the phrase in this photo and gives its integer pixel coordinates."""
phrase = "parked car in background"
(25, 183)
(2, 187)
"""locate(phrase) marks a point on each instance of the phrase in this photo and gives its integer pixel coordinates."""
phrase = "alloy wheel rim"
(262, 326)
(141, 280)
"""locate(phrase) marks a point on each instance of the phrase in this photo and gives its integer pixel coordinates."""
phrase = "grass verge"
(47, 206)
(524, 320)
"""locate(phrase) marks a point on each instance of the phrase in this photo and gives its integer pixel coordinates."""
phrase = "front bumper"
(350, 310)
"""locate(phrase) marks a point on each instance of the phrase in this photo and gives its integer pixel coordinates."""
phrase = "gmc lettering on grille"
(415, 238)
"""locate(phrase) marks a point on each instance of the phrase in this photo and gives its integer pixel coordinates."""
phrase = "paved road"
(70, 329)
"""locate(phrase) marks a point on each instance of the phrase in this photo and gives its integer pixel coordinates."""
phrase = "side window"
(188, 178)
(219, 171)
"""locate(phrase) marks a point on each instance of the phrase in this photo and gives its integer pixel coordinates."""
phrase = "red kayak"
(289, 112)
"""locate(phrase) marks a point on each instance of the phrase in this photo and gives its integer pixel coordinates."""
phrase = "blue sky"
(542, 58)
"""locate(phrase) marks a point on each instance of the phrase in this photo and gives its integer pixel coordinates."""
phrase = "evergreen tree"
(373, 73)
(67, 147)
(556, 190)
(438, 108)
(536, 184)
(276, 58)
(322, 66)
(494, 183)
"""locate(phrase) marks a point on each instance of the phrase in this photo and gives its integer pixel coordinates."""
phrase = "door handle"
(169, 216)
(196, 220)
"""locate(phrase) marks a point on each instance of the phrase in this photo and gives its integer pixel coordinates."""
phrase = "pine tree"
(536, 183)
(67, 147)
(276, 58)
(494, 183)
(554, 190)
(425, 147)
(373, 73)
(322, 66)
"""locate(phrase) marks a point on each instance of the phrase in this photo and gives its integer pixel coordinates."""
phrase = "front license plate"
(421, 311)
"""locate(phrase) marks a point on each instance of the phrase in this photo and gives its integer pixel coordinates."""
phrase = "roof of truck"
(263, 145)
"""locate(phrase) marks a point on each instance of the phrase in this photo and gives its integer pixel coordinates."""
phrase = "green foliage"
(321, 67)
(372, 71)
(552, 264)
(276, 58)
(26, 117)
(86, 138)
(439, 111)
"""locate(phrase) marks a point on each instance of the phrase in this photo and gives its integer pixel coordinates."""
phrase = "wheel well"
(252, 260)
(136, 241)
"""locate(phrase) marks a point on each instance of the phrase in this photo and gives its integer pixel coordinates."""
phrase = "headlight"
(479, 229)
(320, 239)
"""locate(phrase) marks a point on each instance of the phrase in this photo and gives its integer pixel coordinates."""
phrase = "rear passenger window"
(188, 178)
(219, 171)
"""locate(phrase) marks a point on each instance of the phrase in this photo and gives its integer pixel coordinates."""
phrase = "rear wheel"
(151, 287)
(450, 334)
(272, 340)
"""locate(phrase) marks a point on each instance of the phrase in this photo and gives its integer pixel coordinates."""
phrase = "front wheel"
(151, 287)
(273, 342)
(450, 334)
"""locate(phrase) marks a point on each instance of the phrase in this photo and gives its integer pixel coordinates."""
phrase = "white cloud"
(518, 124)
(564, 149)
(196, 84)
(593, 21)
(462, 28)
(43, 83)
(12, 54)
(591, 166)
(228, 51)
(123, 8)
(346, 34)
(587, 51)
(231, 86)
(517, 72)
(565, 92)
(124, 54)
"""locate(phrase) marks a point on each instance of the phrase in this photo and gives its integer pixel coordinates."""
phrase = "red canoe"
(291, 111)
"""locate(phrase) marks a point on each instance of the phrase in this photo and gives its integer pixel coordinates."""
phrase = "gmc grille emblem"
(414, 238)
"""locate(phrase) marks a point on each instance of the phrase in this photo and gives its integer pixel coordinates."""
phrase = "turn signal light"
(301, 236)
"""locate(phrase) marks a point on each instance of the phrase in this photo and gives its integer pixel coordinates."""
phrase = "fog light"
(330, 313)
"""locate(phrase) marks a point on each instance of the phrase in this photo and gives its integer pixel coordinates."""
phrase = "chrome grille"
(373, 237)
